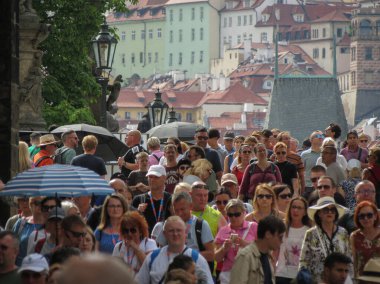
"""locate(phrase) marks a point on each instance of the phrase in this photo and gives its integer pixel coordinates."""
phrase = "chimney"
(247, 48)
(224, 82)
(277, 13)
(215, 84)
(244, 118)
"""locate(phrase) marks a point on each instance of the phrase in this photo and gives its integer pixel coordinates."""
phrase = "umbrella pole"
(56, 226)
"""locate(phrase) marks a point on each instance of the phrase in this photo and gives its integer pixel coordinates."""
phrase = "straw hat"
(47, 140)
(371, 271)
(322, 203)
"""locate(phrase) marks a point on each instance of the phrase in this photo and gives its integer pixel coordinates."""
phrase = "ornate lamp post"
(158, 110)
(104, 46)
(172, 116)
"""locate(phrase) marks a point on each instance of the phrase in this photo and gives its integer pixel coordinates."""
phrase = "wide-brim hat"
(371, 271)
(322, 203)
(47, 139)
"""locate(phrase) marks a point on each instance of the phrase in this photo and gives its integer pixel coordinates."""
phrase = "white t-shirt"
(161, 263)
(128, 254)
(290, 252)
(341, 160)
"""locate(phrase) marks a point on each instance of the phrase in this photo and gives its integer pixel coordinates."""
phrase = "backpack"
(198, 233)
(58, 158)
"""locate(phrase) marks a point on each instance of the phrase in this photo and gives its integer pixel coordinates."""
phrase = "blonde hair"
(261, 187)
(182, 187)
(199, 167)
(89, 142)
(24, 162)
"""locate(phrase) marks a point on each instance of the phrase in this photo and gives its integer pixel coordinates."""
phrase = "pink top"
(225, 233)
(154, 157)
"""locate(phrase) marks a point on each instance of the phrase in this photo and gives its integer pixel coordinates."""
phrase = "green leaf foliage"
(69, 85)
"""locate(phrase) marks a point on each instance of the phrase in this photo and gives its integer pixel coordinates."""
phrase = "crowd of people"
(257, 209)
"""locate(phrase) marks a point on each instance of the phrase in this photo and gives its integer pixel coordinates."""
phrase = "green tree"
(69, 86)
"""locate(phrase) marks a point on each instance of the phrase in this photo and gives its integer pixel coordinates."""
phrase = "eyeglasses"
(202, 137)
(200, 186)
(184, 168)
(236, 214)
(285, 196)
(77, 234)
(365, 191)
(261, 151)
(115, 206)
(314, 179)
(3, 247)
(266, 196)
(34, 275)
(297, 207)
(246, 152)
(363, 216)
(219, 202)
(126, 231)
(328, 210)
(36, 203)
(47, 208)
(281, 153)
(324, 187)
(75, 138)
(364, 141)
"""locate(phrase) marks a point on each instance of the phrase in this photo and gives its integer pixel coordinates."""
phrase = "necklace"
(112, 235)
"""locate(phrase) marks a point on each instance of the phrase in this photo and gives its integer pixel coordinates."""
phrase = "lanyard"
(158, 218)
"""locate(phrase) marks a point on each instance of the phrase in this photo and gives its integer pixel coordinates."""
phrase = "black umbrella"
(185, 131)
(109, 146)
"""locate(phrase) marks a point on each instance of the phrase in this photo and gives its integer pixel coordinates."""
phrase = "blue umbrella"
(57, 180)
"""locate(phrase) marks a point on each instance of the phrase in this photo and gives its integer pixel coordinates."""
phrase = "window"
(230, 40)
(159, 33)
(353, 54)
(245, 20)
(298, 35)
(201, 56)
(353, 78)
(201, 14)
(323, 52)
(344, 50)
(201, 34)
(141, 57)
(180, 16)
(288, 36)
(192, 34)
(250, 37)
(123, 59)
(171, 15)
(239, 20)
(193, 14)
(189, 116)
(279, 35)
(149, 57)
(133, 34)
(127, 115)
(306, 34)
(171, 59)
(230, 21)
(140, 115)
(339, 32)
(180, 35)
(377, 28)
(368, 77)
(179, 116)
(180, 58)
(156, 57)
(315, 33)
(244, 36)
(225, 22)
(133, 58)
(150, 34)
(239, 39)
(323, 32)
(143, 34)
(315, 53)
(122, 35)
(264, 37)
(365, 28)
(192, 57)
(250, 20)
(225, 40)
(171, 36)
(368, 53)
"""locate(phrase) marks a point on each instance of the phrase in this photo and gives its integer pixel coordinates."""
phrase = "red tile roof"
(240, 6)
(345, 40)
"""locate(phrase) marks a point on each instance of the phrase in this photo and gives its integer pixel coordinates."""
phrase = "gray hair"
(153, 143)
(235, 203)
(65, 134)
(173, 219)
(176, 197)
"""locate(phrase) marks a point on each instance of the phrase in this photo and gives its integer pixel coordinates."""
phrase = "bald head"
(365, 191)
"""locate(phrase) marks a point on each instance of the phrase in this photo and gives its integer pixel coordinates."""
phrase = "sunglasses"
(126, 231)
(34, 275)
(281, 153)
(328, 210)
(77, 234)
(314, 179)
(184, 168)
(320, 187)
(202, 137)
(363, 216)
(36, 203)
(320, 136)
(236, 214)
(285, 196)
(246, 152)
(219, 202)
(266, 196)
(47, 208)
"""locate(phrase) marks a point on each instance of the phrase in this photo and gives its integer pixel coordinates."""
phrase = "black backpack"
(58, 157)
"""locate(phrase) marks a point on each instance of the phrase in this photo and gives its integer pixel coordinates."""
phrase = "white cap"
(156, 170)
(34, 262)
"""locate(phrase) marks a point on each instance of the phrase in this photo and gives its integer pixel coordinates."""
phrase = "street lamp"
(172, 116)
(158, 110)
(104, 46)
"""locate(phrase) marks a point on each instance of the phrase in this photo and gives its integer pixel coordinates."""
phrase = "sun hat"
(229, 135)
(353, 163)
(322, 203)
(47, 139)
(34, 262)
(228, 178)
(190, 179)
(371, 271)
(156, 170)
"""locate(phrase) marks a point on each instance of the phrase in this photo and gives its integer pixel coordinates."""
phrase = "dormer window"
(265, 17)
(247, 3)
(163, 11)
(299, 18)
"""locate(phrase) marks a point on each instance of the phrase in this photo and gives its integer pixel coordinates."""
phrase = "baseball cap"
(34, 262)
(229, 135)
(156, 170)
(57, 213)
(228, 178)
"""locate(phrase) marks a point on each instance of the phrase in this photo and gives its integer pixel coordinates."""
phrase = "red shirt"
(45, 162)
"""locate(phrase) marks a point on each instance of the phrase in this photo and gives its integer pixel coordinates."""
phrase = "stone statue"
(144, 124)
(114, 91)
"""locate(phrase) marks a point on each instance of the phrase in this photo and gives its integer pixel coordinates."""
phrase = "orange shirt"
(45, 162)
